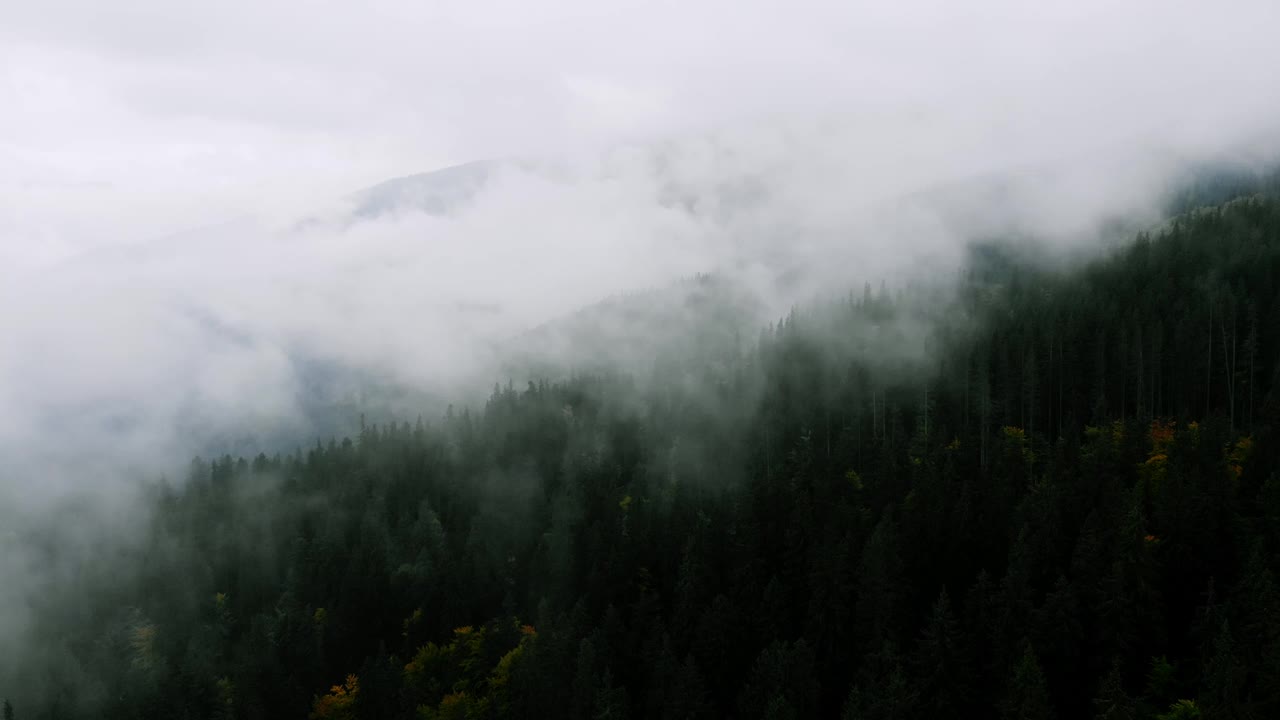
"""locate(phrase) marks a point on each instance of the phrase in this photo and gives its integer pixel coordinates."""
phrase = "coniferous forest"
(1047, 493)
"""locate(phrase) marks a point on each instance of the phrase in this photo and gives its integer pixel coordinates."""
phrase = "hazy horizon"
(241, 225)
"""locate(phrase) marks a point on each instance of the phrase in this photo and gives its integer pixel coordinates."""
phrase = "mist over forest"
(489, 360)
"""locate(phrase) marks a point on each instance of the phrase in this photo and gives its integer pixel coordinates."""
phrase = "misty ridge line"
(662, 233)
(256, 359)
(690, 333)
(885, 322)
(558, 339)
(240, 358)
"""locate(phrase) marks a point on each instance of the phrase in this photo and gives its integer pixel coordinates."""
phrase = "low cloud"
(795, 150)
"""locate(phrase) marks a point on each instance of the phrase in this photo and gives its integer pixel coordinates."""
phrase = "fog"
(183, 239)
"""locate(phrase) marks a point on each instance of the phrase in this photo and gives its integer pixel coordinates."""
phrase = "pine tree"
(882, 690)
(1027, 696)
(781, 681)
(1112, 703)
(1181, 710)
(879, 584)
(1225, 677)
(610, 699)
(583, 696)
(942, 662)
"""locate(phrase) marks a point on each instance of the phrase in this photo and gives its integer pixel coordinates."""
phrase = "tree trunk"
(1208, 373)
(1228, 361)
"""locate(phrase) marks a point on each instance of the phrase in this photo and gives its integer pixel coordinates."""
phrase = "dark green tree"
(1027, 695)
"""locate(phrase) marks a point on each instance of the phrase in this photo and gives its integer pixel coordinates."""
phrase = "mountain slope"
(1069, 492)
(438, 192)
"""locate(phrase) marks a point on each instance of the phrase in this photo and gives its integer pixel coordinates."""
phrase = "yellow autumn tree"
(460, 679)
(142, 639)
(1016, 442)
(1238, 455)
(454, 706)
(340, 703)
(1155, 468)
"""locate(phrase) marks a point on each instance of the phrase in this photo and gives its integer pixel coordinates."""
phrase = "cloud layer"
(140, 118)
(800, 148)
(181, 259)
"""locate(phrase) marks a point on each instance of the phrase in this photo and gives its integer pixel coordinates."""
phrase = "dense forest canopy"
(1053, 493)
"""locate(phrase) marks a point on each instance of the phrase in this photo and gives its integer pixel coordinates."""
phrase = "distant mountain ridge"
(435, 192)
(631, 330)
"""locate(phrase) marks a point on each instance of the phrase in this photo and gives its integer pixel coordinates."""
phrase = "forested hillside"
(1051, 494)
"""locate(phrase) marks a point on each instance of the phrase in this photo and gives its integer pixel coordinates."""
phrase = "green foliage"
(1161, 679)
(781, 682)
(765, 529)
(1181, 710)
(1112, 703)
(1027, 697)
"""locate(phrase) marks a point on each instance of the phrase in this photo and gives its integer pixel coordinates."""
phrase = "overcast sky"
(776, 138)
(773, 137)
(131, 119)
